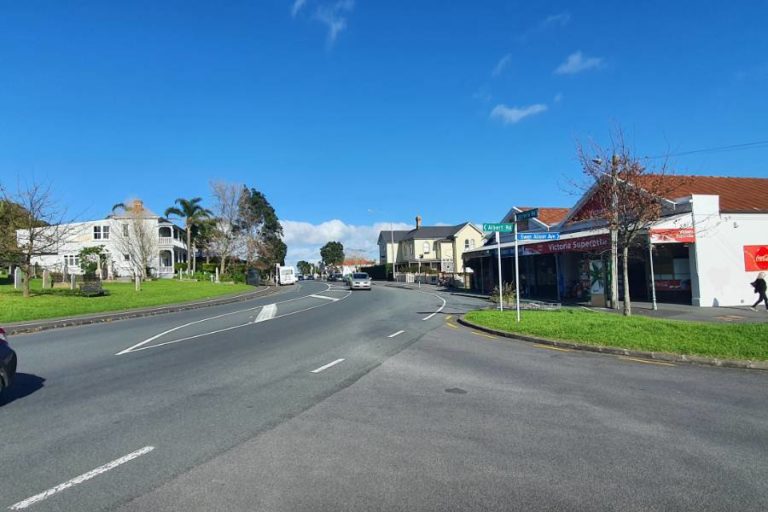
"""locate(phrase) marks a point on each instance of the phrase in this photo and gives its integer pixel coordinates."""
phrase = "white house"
(124, 237)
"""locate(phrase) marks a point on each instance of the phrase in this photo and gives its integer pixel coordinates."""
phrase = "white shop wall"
(719, 253)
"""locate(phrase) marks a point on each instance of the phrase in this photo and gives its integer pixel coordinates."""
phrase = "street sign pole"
(653, 274)
(501, 284)
(517, 276)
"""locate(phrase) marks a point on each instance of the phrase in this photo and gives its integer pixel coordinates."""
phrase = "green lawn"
(61, 303)
(726, 341)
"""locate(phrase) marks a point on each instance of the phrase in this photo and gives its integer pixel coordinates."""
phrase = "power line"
(717, 149)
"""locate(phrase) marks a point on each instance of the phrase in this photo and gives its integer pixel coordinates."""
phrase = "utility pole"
(614, 227)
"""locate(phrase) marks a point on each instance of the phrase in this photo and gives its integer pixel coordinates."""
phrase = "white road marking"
(173, 329)
(395, 334)
(202, 335)
(268, 312)
(323, 297)
(438, 309)
(80, 479)
(325, 367)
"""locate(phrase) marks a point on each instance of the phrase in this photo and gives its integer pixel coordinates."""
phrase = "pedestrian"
(759, 286)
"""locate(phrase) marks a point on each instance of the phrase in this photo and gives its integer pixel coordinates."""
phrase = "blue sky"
(353, 114)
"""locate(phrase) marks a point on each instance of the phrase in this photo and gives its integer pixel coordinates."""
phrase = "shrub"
(179, 266)
(507, 293)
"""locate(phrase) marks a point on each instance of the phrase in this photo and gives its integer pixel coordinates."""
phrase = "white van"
(286, 275)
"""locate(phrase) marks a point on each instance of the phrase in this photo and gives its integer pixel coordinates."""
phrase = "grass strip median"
(726, 341)
(122, 296)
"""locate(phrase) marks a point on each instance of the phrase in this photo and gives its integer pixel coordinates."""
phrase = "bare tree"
(39, 225)
(628, 197)
(225, 237)
(135, 237)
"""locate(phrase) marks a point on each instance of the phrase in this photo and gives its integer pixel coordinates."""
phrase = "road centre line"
(323, 297)
(325, 367)
(230, 313)
(395, 334)
(483, 335)
(80, 479)
(202, 335)
(268, 312)
(450, 324)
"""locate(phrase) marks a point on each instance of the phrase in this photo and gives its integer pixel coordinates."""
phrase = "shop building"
(709, 244)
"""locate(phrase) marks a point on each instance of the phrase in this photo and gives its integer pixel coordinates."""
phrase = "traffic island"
(729, 345)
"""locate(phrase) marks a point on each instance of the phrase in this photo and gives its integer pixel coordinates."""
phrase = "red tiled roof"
(737, 195)
(549, 216)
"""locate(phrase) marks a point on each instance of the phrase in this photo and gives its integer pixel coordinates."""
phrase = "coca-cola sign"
(755, 257)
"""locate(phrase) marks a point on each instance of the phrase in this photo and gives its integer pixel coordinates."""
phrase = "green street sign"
(498, 227)
(528, 214)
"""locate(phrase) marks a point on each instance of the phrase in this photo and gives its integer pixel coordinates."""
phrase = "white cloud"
(555, 20)
(297, 6)
(502, 65)
(558, 97)
(576, 63)
(512, 115)
(333, 16)
(561, 19)
(305, 239)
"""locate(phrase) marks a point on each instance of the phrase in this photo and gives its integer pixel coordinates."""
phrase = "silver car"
(359, 281)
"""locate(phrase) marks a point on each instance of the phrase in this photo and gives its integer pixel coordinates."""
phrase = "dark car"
(7, 363)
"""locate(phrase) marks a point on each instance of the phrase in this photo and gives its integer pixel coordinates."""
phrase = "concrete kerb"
(57, 323)
(657, 356)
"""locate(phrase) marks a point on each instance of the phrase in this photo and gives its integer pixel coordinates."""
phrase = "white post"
(394, 253)
(418, 274)
(501, 283)
(653, 275)
(517, 275)
(217, 274)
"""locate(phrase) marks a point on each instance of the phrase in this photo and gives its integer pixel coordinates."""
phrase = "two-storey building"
(162, 240)
(439, 248)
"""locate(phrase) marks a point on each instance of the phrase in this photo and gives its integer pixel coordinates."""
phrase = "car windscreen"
(359, 276)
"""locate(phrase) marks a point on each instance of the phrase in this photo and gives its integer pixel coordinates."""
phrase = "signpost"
(548, 235)
(511, 227)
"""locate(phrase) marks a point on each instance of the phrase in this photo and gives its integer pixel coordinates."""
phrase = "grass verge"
(729, 341)
(61, 303)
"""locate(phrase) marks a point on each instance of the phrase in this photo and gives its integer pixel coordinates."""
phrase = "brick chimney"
(418, 221)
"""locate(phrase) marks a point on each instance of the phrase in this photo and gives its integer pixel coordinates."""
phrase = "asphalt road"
(314, 400)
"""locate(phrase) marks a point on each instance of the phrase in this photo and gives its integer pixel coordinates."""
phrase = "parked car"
(359, 281)
(8, 363)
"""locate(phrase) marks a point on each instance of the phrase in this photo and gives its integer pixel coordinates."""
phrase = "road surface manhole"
(457, 391)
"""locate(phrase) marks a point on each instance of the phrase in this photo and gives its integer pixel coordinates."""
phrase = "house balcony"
(169, 241)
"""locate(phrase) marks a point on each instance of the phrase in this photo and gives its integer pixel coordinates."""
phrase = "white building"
(163, 242)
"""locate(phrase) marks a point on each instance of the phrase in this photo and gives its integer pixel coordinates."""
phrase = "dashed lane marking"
(549, 347)
(326, 366)
(452, 325)
(323, 297)
(483, 335)
(645, 361)
(395, 334)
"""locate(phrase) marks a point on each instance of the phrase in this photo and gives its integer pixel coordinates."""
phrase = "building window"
(125, 230)
(466, 245)
(71, 260)
(426, 247)
(126, 257)
(101, 232)
(472, 244)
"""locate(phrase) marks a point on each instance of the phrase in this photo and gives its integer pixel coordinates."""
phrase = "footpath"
(111, 316)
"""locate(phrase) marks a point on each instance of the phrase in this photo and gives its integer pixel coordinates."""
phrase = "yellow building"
(438, 248)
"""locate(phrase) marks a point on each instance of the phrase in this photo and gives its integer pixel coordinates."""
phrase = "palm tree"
(193, 214)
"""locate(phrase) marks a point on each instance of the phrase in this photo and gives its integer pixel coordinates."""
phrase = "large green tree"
(332, 253)
(193, 214)
(305, 267)
(262, 231)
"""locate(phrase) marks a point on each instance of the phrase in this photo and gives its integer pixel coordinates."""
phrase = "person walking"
(759, 286)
